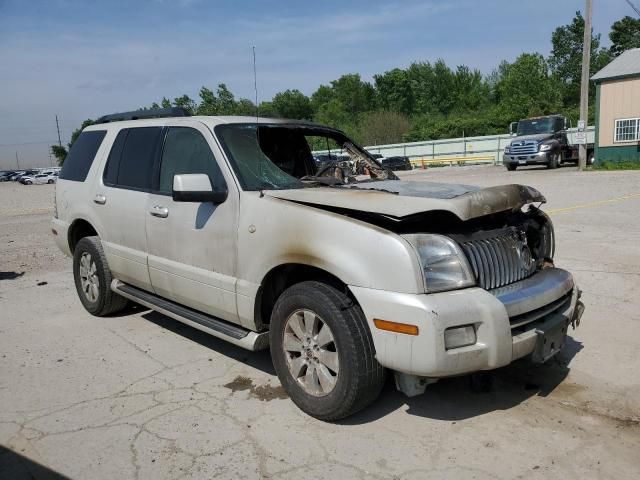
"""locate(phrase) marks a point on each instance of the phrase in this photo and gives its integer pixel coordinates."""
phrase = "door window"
(130, 163)
(187, 151)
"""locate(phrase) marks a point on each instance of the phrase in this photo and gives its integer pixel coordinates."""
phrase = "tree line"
(431, 100)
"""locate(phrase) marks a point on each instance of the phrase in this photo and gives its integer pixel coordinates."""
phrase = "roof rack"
(141, 114)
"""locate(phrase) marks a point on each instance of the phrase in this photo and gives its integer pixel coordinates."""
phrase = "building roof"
(627, 64)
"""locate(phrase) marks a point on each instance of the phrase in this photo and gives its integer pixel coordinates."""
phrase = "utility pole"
(584, 84)
(58, 127)
(17, 161)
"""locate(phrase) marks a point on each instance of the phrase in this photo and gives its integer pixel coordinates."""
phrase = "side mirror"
(513, 128)
(196, 187)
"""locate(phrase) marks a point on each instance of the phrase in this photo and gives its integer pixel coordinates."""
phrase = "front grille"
(498, 257)
(523, 147)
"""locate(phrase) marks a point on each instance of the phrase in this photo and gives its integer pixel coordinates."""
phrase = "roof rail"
(140, 114)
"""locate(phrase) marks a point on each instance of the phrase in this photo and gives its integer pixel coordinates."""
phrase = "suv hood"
(540, 137)
(398, 199)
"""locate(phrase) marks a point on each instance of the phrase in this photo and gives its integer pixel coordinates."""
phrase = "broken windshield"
(281, 156)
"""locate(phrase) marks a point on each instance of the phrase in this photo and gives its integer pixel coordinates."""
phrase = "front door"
(192, 245)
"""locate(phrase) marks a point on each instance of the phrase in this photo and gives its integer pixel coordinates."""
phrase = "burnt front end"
(511, 300)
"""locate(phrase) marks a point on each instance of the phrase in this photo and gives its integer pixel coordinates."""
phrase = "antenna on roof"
(255, 81)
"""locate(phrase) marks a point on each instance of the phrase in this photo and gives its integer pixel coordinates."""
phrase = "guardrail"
(456, 150)
(422, 163)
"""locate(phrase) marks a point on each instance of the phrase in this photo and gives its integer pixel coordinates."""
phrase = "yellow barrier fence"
(423, 163)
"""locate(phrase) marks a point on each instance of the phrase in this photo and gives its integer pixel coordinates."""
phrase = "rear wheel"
(93, 278)
(323, 352)
(511, 166)
(591, 158)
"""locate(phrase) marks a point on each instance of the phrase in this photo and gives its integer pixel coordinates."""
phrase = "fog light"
(457, 337)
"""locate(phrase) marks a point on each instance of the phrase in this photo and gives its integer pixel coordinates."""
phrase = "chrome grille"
(498, 257)
(523, 147)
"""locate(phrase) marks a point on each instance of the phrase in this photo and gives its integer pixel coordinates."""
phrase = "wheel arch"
(79, 229)
(283, 276)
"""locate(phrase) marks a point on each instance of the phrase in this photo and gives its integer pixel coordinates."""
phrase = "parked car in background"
(38, 179)
(396, 163)
(24, 174)
(6, 176)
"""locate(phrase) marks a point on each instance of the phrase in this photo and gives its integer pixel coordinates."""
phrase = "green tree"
(527, 89)
(354, 95)
(245, 107)
(322, 95)
(292, 104)
(184, 102)
(625, 34)
(393, 91)
(60, 153)
(165, 103)
(377, 128)
(566, 58)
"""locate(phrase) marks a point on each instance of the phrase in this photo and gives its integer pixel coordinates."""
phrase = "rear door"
(192, 245)
(121, 201)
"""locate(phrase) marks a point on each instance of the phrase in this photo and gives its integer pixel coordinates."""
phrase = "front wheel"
(93, 279)
(49, 181)
(323, 352)
(28, 183)
(554, 161)
(511, 166)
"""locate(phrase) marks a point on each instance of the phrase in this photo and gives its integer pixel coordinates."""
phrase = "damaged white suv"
(227, 224)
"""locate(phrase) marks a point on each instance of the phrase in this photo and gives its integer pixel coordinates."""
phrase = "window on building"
(627, 130)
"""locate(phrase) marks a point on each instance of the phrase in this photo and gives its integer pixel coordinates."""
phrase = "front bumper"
(540, 158)
(507, 323)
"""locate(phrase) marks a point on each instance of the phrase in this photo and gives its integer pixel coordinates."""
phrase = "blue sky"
(82, 59)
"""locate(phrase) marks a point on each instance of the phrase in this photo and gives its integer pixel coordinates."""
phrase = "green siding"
(627, 153)
(596, 139)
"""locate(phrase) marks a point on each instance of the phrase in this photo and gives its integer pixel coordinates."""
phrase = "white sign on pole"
(581, 137)
(581, 125)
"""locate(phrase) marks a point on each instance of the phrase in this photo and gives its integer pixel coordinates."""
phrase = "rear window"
(79, 159)
(130, 163)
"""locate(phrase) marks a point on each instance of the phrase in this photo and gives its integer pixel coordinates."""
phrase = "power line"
(634, 7)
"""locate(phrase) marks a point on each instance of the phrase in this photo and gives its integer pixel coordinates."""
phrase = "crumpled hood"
(399, 198)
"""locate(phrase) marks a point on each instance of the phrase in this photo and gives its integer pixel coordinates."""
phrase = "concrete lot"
(141, 396)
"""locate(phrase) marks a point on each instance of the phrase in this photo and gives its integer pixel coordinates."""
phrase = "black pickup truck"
(542, 141)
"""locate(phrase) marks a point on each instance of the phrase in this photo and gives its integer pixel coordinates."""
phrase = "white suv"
(225, 224)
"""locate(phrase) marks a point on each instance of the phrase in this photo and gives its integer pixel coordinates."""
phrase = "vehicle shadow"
(451, 399)
(470, 396)
(10, 275)
(14, 465)
(260, 360)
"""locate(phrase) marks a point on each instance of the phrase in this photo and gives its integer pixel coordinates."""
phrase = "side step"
(235, 334)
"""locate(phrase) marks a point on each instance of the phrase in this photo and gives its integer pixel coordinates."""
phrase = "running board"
(234, 334)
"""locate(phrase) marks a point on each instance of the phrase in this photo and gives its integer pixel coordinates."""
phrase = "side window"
(187, 151)
(79, 159)
(130, 163)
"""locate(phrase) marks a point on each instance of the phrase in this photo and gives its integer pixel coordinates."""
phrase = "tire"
(554, 161)
(591, 158)
(28, 183)
(94, 289)
(359, 377)
(49, 181)
(511, 167)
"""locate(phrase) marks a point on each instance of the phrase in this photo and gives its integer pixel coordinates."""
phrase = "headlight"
(545, 147)
(443, 262)
(506, 149)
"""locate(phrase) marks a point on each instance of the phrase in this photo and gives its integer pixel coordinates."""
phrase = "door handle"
(159, 211)
(100, 199)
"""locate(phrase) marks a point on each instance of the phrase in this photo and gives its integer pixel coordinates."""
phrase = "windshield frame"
(309, 128)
